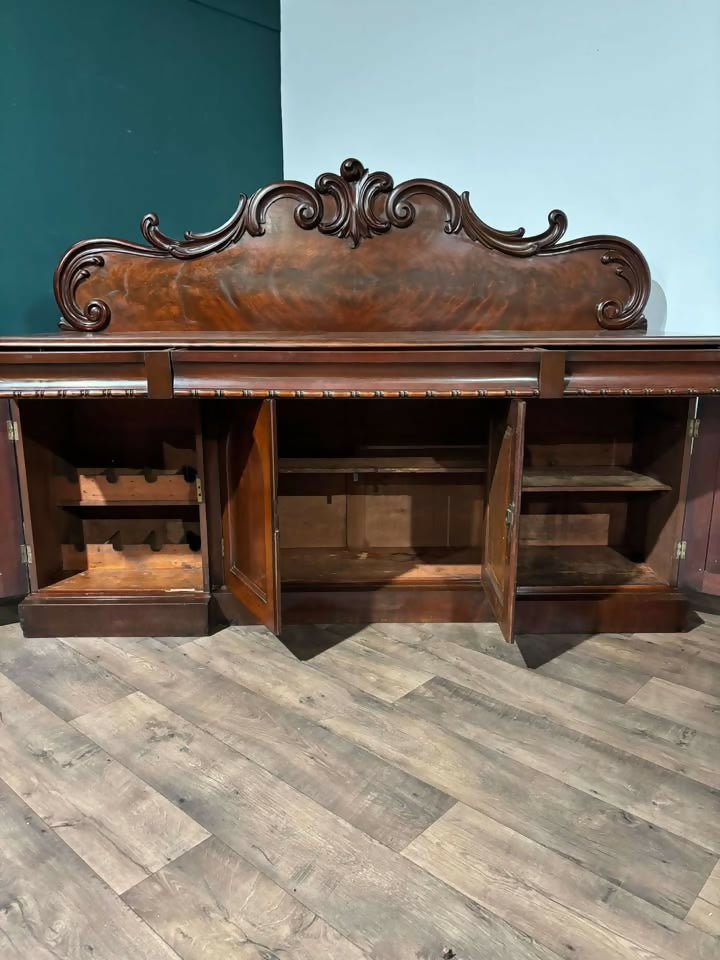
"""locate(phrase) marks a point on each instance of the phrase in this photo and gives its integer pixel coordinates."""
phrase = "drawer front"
(642, 372)
(72, 375)
(362, 374)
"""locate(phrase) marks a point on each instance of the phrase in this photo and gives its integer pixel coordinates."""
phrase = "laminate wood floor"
(391, 791)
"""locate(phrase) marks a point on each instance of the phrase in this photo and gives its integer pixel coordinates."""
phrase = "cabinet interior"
(372, 494)
(385, 493)
(111, 488)
(381, 492)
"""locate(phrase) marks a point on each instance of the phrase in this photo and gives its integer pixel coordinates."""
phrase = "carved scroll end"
(76, 267)
(631, 266)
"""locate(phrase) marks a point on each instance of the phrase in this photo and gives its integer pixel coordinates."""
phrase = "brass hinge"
(198, 490)
(694, 429)
(12, 431)
(681, 550)
(509, 515)
(25, 554)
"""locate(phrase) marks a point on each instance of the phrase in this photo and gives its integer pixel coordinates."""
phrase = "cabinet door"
(249, 509)
(502, 518)
(699, 570)
(13, 572)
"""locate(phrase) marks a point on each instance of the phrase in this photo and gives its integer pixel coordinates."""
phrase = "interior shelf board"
(100, 580)
(418, 464)
(586, 479)
(137, 502)
(581, 566)
(93, 488)
(404, 566)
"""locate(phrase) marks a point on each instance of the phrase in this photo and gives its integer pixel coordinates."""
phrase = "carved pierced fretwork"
(356, 206)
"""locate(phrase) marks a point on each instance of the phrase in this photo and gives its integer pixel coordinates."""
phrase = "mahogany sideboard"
(352, 402)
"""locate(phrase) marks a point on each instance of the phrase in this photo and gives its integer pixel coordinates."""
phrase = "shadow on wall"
(656, 310)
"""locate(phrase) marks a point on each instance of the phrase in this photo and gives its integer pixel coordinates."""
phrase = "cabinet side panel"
(13, 573)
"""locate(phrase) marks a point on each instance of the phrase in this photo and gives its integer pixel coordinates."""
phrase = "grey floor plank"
(537, 865)
(662, 741)
(58, 677)
(368, 893)
(679, 666)
(210, 904)
(118, 824)
(383, 677)
(705, 912)
(53, 907)
(553, 900)
(544, 655)
(653, 863)
(700, 642)
(682, 705)
(666, 799)
(385, 802)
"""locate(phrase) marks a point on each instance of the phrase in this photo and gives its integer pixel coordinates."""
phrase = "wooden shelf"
(588, 479)
(144, 580)
(400, 566)
(124, 487)
(419, 464)
(585, 566)
(100, 568)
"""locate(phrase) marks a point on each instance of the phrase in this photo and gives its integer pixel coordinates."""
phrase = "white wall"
(608, 110)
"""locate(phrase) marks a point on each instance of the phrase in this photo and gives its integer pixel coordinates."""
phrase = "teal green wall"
(112, 108)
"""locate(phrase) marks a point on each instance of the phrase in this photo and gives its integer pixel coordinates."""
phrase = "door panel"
(13, 573)
(700, 569)
(499, 572)
(249, 508)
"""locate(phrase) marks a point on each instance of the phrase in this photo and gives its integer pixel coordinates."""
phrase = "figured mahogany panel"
(502, 514)
(354, 253)
(248, 479)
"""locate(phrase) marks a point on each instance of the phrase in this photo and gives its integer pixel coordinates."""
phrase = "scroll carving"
(356, 206)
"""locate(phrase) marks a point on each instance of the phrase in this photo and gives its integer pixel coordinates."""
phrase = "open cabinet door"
(13, 572)
(502, 518)
(249, 508)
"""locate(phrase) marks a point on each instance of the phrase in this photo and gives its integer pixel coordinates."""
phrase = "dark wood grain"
(347, 255)
(700, 569)
(249, 510)
(502, 515)
(158, 370)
